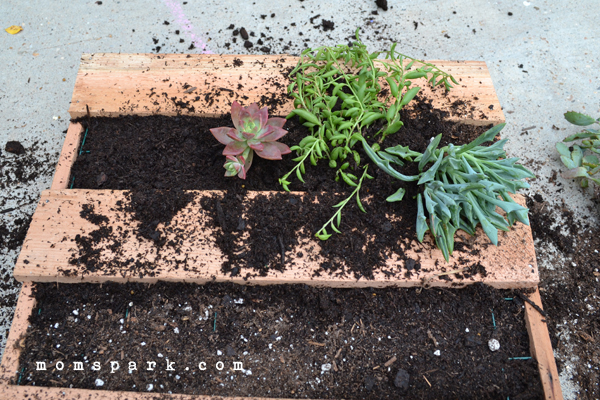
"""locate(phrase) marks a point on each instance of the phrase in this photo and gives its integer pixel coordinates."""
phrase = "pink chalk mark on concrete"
(186, 26)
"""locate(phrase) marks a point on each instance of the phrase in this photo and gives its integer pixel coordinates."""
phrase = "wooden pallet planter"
(117, 84)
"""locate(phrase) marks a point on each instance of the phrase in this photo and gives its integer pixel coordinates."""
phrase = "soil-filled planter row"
(288, 340)
(171, 85)
(296, 341)
(197, 258)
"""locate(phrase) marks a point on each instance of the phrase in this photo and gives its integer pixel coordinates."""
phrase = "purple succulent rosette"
(254, 132)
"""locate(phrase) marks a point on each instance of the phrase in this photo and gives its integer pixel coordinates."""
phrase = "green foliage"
(337, 94)
(581, 166)
(336, 220)
(461, 188)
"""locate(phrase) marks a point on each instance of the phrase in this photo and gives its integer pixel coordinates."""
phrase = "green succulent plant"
(461, 188)
(581, 166)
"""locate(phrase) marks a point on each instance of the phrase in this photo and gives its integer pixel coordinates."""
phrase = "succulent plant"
(238, 165)
(254, 132)
(462, 188)
(581, 166)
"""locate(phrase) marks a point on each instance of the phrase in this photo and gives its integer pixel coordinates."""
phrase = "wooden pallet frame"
(541, 348)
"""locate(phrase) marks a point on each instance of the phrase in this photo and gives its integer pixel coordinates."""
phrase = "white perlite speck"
(149, 387)
(99, 382)
(494, 345)
(325, 367)
(437, 353)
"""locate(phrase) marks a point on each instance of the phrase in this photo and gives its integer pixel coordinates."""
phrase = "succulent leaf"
(223, 135)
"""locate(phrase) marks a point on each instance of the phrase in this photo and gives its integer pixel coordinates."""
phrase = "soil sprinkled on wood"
(156, 159)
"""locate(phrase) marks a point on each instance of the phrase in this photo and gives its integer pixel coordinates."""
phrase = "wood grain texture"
(68, 155)
(47, 393)
(50, 245)
(206, 85)
(541, 348)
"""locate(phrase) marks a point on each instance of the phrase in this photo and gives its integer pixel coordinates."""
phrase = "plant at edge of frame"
(461, 189)
(580, 165)
(254, 132)
(337, 95)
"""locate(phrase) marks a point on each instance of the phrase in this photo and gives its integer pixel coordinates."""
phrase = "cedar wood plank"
(50, 244)
(206, 85)
(68, 156)
(541, 348)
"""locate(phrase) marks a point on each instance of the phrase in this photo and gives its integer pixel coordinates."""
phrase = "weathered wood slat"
(205, 85)
(67, 158)
(50, 245)
(541, 348)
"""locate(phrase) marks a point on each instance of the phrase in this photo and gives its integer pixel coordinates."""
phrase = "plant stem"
(337, 216)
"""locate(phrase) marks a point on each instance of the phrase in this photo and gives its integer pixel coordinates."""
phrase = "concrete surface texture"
(542, 55)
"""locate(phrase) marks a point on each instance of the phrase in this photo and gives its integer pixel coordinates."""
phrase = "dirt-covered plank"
(541, 347)
(193, 84)
(88, 235)
(68, 156)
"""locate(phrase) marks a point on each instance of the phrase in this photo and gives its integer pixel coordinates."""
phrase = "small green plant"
(338, 94)
(254, 132)
(461, 189)
(580, 165)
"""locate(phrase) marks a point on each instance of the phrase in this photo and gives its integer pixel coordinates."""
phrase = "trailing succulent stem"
(335, 221)
(338, 94)
(461, 188)
(580, 165)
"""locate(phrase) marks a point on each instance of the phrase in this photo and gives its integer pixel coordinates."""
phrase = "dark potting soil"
(156, 158)
(291, 341)
(570, 292)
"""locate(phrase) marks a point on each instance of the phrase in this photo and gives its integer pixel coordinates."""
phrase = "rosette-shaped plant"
(254, 132)
(236, 165)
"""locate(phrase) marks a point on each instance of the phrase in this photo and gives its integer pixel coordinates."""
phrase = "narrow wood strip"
(68, 156)
(206, 85)
(50, 244)
(10, 361)
(47, 393)
(541, 348)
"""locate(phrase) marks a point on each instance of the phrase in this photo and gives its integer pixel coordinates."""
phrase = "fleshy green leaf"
(421, 219)
(409, 95)
(429, 151)
(579, 119)
(307, 115)
(579, 172)
(487, 136)
(581, 135)
(398, 196)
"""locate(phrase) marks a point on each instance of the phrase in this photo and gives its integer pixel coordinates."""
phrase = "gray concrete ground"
(542, 55)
